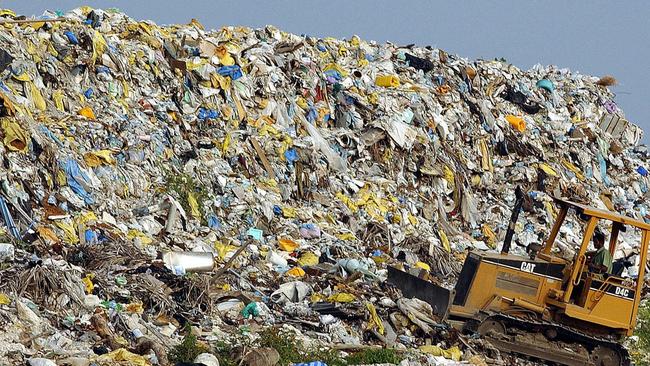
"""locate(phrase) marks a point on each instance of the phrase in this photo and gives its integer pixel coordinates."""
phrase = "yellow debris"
(341, 297)
(296, 272)
(452, 353)
(288, 245)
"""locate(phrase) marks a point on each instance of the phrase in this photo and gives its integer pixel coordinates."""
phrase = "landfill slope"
(126, 144)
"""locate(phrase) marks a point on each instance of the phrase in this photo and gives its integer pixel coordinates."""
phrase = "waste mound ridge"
(237, 180)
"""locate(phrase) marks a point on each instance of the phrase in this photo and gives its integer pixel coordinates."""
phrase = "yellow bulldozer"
(543, 305)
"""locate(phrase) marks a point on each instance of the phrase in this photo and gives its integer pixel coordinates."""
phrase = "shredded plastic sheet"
(15, 138)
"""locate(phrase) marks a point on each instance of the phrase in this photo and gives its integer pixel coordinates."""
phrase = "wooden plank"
(263, 158)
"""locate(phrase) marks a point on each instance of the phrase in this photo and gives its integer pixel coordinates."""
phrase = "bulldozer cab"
(590, 293)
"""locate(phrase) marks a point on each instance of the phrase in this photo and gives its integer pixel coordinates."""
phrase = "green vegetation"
(181, 185)
(187, 350)
(373, 356)
(224, 353)
(640, 350)
(292, 351)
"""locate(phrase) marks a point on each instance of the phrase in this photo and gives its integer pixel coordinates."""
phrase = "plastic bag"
(336, 162)
(452, 353)
(388, 81)
(122, 354)
(77, 180)
(517, 123)
(16, 138)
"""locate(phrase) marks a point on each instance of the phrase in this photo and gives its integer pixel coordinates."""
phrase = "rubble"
(162, 179)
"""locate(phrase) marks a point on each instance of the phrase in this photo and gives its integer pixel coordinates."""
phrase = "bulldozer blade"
(412, 286)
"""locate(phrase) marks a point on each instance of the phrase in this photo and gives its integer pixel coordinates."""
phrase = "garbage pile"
(160, 181)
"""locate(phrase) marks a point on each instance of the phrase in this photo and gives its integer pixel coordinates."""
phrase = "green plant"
(373, 356)
(640, 349)
(187, 350)
(224, 353)
(291, 351)
(184, 184)
(287, 346)
(328, 356)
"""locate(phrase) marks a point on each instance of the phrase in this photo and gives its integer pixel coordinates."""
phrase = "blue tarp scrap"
(72, 38)
(8, 219)
(233, 71)
(77, 179)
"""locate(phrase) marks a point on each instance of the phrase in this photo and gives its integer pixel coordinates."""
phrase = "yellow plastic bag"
(308, 259)
(4, 299)
(388, 81)
(224, 56)
(517, 123)
(99, 46)
(347, 201)
(144, 239)
(101, 157)
(24, 77)
(69, 232)
(547, 169)
(47, 234)
(449, 177)
(57, 95)
(7, 12)
(573, 168)
(337, 68)
(288, 245)
(489, 235)
(444, 240)
(341, 297)
(375, 321)
(194, 206)
(346, 236)
(37, 97)
(223, 249)
(85, 217)
(88, 283)
(289, 212)
(452, 353)
(423, 265)
(296, 272)
(226, 144)
(9, 105)
(87, 112)
(15, 137)
(122, 354)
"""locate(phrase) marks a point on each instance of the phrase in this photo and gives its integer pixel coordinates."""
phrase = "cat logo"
(528, 267)
(622, 291)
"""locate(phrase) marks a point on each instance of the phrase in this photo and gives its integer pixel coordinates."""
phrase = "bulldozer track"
(568, 334)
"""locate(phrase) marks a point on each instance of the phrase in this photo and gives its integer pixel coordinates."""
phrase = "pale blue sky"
(591, 36)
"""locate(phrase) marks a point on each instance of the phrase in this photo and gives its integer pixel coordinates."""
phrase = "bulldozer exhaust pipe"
(519, 201)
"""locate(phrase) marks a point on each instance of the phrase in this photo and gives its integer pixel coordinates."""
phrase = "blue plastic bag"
(291, 155)
(71, 37)
(255, 233)
(213, 221)
(91, 237)
(207, 114)
(546, 84)
(75, 177)
(277, 210)
(233, 71)
(250, 310)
